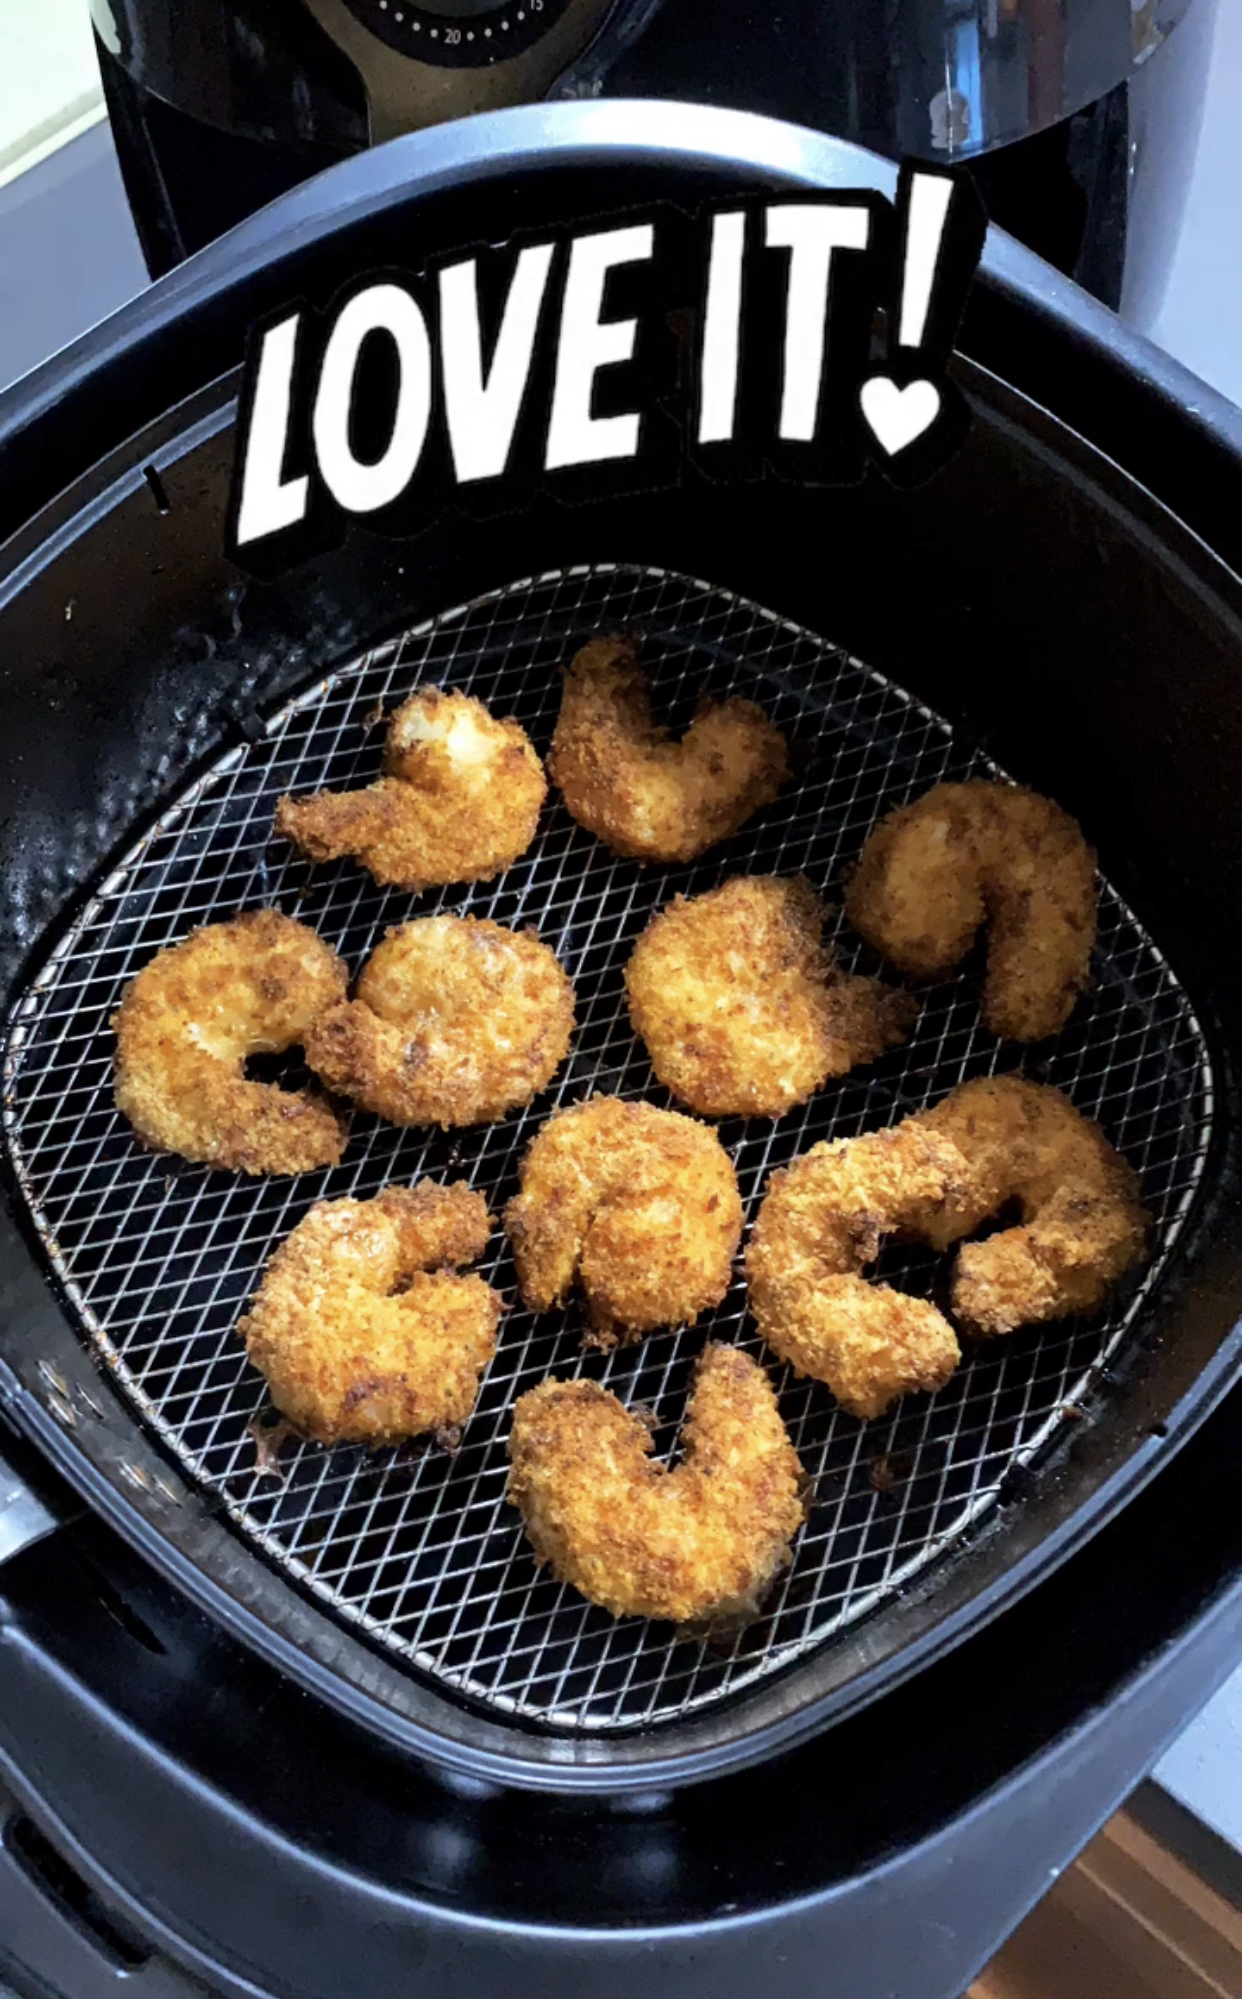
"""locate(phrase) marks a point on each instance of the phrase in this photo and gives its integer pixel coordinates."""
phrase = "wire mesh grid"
(416, 1546)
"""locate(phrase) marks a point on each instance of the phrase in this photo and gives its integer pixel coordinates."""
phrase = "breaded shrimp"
(700, 1544)
(456, 1021)
(743, 1010)
(968, 854)
(364, 1332)
(648, 798)
(639, 1205)
(1083, 1223)
(937, 1177)
(189, 1020)
(459, 799)
(822, 1221)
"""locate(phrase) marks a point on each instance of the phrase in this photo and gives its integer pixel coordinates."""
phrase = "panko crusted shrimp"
(638, 1206)
(1082, 1223)
(979, 853)
(936, 1178)
(822, 1222)
(188, 1023)
(362, 1326)
(743, 1010)
(456, 1021)
(624, 778)
(459, 799)
(699, 1544)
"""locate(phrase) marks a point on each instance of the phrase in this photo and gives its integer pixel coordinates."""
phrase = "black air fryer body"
(212, 1772)
(1079, 117)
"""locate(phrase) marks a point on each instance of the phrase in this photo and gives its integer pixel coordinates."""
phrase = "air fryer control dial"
(457, 33)
(423, 61)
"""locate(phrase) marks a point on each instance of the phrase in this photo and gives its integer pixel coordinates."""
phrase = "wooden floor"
(1128, 1921)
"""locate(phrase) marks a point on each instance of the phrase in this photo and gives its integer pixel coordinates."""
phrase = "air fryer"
(345, 1689)
(1079, 120)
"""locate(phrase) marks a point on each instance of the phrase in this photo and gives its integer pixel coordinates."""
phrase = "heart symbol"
(897, 416)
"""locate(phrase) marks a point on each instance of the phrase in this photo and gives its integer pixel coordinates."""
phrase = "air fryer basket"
(419, 1549)
(1031, 610)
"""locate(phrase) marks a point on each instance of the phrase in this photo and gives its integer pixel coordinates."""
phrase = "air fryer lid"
(165, 656)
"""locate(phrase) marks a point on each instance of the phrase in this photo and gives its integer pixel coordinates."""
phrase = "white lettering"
(587, 344)
(722, 318)
(269, 501)
(482, 414)
(810, 234)
(362, 488)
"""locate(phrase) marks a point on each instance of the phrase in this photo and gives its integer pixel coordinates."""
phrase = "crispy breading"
(637, 1205)
(743, 1010)
(189, 1020)
(647, 797)
(459, 799)
(700, 1544)
(364, 1332)
(968, 854)
(1083, 1223)
(456, 1021)
(822, 1222)
(937, 1177)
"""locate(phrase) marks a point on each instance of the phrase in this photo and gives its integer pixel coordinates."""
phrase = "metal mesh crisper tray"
(419, 1548)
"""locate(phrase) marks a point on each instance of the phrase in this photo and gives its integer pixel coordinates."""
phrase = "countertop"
(49, 80)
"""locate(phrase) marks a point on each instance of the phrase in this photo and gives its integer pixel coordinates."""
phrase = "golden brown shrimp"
(936, 1178)
(361, 1326)
(459, 799)
(639, 1205)
(700, 1544)
(743, 1010)
(974, 853)
(822, 1222)
(646, 797)
(1083, 1224)
(456, 1021)
(187, 1024)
